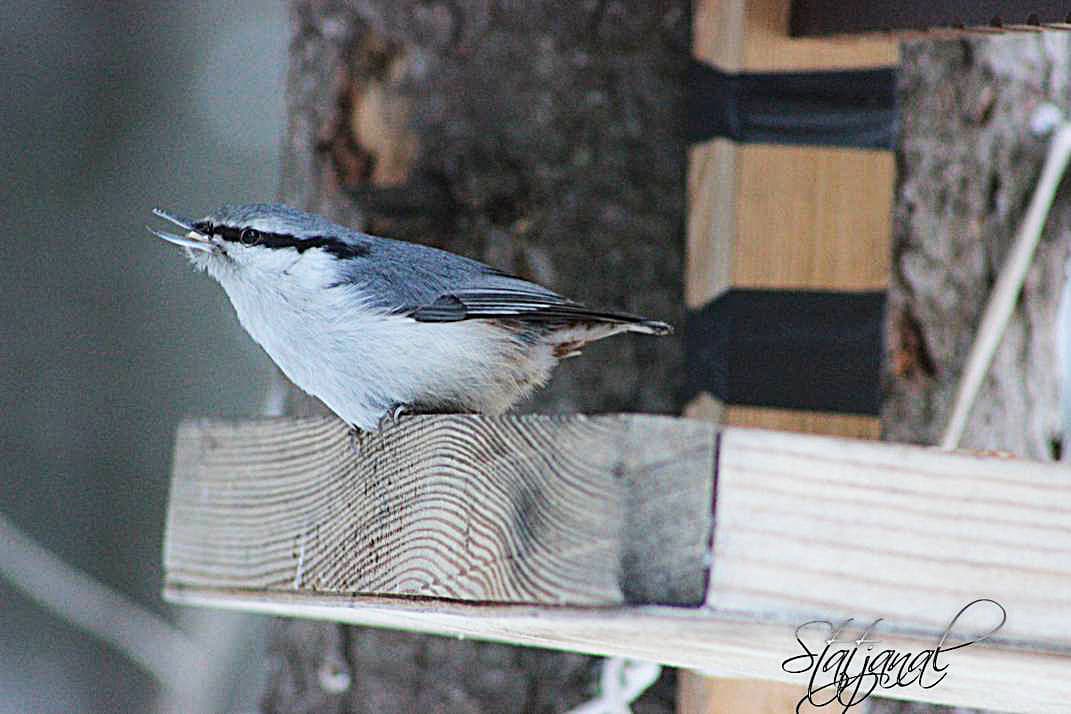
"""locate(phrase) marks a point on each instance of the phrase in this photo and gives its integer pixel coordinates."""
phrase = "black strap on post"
(850, 108)
(815, 351)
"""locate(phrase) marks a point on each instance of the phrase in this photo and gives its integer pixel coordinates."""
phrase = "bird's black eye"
(249, 236)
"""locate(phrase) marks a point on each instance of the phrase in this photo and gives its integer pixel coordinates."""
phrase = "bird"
(377, 328)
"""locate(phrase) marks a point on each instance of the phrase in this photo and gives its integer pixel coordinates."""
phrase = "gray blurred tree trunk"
(545, 139)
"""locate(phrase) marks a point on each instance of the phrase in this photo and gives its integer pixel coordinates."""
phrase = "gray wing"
(430, 285)
(504, 296)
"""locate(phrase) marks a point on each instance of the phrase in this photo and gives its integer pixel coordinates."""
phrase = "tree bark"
(547, 140)
(968, 166)
(968, 169)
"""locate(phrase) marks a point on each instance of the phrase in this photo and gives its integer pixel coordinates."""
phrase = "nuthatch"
(376, 327)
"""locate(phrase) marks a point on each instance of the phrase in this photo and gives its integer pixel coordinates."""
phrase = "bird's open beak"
(192, 240)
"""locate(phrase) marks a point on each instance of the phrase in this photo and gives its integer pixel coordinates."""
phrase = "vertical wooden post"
(779, 218)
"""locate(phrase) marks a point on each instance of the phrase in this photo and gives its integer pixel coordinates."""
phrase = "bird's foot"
(393, 415)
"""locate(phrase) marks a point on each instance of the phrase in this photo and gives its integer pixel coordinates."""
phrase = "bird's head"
(259, 237)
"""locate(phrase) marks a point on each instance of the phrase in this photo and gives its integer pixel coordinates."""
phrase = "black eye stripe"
(334, 246)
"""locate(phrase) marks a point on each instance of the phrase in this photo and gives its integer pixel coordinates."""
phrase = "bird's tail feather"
(651, 327)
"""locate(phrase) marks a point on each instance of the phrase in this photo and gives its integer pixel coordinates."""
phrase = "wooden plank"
(578, 510)
(851, 425)
(813, 218)
(807, 527)
(810, 525)
(712, 694)
(981, 676)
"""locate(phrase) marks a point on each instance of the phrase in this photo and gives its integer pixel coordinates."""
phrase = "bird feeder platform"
(649, 537)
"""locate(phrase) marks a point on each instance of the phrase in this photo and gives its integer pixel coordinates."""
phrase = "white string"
(621, 682)
(1001, 304)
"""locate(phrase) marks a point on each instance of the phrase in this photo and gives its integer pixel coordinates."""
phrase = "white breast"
(362, 363)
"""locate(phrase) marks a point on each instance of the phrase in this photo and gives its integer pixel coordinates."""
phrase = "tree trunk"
(547, 140)
(968, 166)
(969, 163)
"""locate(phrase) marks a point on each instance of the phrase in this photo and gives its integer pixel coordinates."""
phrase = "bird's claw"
(392, 415)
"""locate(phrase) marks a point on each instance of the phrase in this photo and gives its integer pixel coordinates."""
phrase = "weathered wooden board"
(605, 509)
(980, 676)
(577, 510)
(441, 520)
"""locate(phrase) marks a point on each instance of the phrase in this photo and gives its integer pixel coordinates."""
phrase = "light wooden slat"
(813, 218)
(811, 525)
(980, 676)
(850, 425)
(591, 511)
(767, 46)
(716, 694)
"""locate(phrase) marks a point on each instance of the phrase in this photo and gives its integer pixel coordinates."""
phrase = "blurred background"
(107, 337)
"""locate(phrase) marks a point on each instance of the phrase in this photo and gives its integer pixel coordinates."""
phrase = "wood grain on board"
(265, 517)
(561, 510)
(577, 510)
